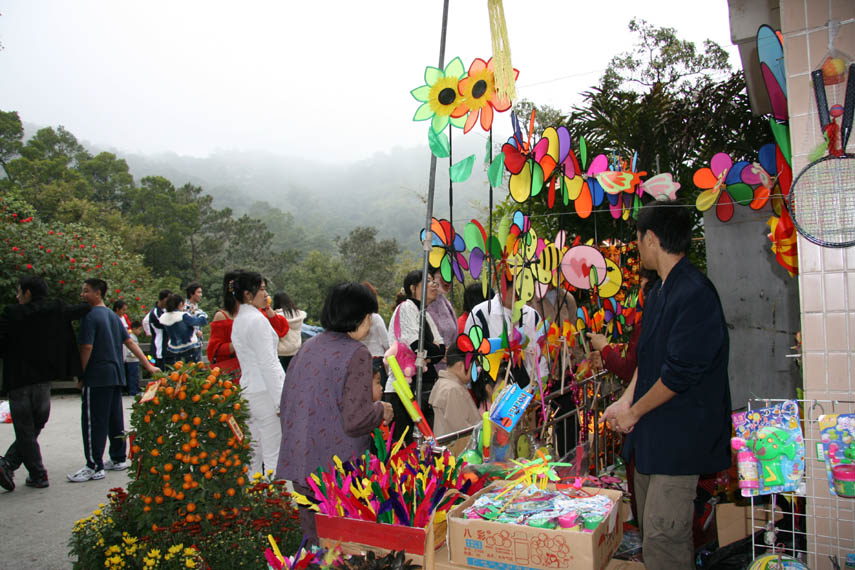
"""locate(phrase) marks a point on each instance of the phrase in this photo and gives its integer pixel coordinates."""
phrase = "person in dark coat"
(676, 409)
(327, 406)
(37, 345)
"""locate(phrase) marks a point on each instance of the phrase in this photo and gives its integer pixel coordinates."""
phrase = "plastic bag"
(5, 414)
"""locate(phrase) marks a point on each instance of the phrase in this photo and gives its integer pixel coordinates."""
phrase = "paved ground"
(35, 524)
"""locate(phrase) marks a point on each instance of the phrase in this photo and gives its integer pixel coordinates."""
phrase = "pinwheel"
(477, 347)
(478, 90)
(523, 162)
(479, 245)
(770, 51)
(583, 265)
(447, 249)
(558, 166)
(763, 175)
(722, 185)
(440, 97)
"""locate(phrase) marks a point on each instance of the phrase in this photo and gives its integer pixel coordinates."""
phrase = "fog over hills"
(387, 191)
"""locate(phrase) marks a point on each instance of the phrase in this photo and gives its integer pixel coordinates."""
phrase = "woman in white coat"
(255, 343)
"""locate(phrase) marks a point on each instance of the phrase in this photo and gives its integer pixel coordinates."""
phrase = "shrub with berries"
(190, 483)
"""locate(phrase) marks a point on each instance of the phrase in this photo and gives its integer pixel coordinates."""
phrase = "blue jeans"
(171, 358)
(30, 408)
(132, 375)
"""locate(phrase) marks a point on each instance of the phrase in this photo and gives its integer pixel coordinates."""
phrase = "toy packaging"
(770, 449)
(837, 432)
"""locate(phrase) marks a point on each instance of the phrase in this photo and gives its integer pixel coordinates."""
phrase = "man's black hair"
(346, 306)
(164, 293)
(35, 285)
(118, 304)
(670, 221)
(136, 324)
(190, 289)
(473, 295)
(97, 284)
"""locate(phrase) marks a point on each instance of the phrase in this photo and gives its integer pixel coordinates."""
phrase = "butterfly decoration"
(620, 183)
(446, 251)
(662, 187)
(477, 347)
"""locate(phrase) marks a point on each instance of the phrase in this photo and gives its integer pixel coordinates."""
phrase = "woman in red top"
(221, 352)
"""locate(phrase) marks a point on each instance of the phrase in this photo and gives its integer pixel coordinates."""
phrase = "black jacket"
(37, 342)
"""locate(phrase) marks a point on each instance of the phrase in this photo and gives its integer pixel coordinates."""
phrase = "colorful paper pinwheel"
(440, 97)
(523, 162)
(722, 185)
(478, 90)
(477, 347)
(447, 249)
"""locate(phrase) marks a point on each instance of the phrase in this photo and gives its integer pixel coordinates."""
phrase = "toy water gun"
(402, 388)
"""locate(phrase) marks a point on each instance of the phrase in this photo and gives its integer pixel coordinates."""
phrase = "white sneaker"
(86, 474)
(120, 466)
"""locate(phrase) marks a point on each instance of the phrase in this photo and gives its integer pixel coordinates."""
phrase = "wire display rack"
(809, 524)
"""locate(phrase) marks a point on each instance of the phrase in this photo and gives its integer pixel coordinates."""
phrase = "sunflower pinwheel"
(441, 98)
(478, 90)
(447, 249)
(722, 185)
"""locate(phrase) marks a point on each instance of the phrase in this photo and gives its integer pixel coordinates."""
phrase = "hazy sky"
(321, 79)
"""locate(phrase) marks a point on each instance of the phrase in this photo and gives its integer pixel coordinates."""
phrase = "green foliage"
(308, 282)
(366, 258)
(65, 255)
(11, 133)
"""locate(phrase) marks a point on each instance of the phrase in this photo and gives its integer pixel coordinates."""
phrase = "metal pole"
(426, 245)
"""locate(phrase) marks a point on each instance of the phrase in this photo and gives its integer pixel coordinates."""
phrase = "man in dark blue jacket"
(37, 345)
(676, 410)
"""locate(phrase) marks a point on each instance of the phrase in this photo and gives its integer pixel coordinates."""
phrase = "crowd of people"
(311, 401)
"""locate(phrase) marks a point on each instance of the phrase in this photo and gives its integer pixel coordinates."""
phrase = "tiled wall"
(827, 275)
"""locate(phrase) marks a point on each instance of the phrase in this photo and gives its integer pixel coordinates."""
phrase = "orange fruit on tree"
(204, 469)
(218, 496)
(174, 376)
(155, 401)
(178, 365)
(209, 516)
(237, 406)
(215, 371)
(179, 496)
(146, 509)
(185, 459)
(224, 418)
(203, 455)
(190, 518)
(185, 428)
(153, 470)
(146, 499)
(160, 440)
(188, 477)
(209, 475)
(158, 500)
(230, 492)
(241, 481)
(136, 448)
(170, 390)
(176, 418)
(196, 398)
(227, 393)
(182, 395)
(167, 467)
(178, 456)
(212, 434)
(155, 452)
(167, 476)
(227, 384)
(185, 486)
(194, 460)
(221, 469)
(197, 420)
(147, 419)
(185, 447)
(194, 442)
(191, 507)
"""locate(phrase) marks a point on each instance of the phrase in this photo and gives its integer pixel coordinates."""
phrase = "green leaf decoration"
(487, 149)
(496, 170)
(461, 171)
(782, 137)
(536, 178)
(504, 229)
(583, 151)
(439, 145)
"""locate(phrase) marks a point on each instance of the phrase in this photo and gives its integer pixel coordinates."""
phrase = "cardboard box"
(442, 563)
(483, 543)
(734, 521)
(355, 536)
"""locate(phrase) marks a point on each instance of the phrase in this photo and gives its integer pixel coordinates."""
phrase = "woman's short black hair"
(453, 355)
(346, 306)
(35, 285)
(173, 301)
(247, 282)
(670, 221)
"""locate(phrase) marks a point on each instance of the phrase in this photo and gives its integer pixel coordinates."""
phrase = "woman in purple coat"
(327, 406)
